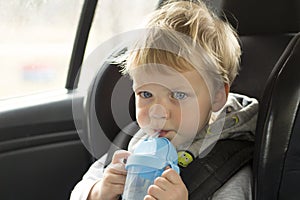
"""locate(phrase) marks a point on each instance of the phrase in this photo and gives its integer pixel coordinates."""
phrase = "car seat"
(277, 150)
(270, 51)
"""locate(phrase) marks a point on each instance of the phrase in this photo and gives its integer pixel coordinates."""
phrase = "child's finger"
(118, 168)
(172, 176)
(115, 179)
(119, 156)
(148, 197)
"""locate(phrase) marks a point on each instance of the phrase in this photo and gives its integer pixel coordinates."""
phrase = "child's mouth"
(162, 133)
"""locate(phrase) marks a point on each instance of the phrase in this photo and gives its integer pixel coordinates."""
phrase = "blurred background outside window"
(37, 36)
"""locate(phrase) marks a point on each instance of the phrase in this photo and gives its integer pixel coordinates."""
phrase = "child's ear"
(220, 98)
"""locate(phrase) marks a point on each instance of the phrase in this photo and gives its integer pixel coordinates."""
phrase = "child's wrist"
(94, 192)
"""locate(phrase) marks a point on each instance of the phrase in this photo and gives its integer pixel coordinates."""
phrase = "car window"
(36, 41)
(37, 36)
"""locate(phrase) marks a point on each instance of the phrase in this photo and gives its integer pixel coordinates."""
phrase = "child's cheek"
(192, 121)
(142, 117)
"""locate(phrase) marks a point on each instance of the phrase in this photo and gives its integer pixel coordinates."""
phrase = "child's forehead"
(166, 77)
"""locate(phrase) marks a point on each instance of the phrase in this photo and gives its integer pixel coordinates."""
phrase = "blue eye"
(179, 95)
(145, 94)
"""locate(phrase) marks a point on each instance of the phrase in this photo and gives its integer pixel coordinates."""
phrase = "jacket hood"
(236, 120)
(241, 116)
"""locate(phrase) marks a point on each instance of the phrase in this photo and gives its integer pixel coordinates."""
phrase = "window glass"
(113, 17)
(36, 41)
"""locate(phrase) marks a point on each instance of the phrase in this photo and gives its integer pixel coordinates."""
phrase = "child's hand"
(168, 186)
(113, 182)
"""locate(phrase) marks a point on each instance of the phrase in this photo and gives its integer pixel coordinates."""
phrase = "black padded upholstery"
(277, 151)
(108, 107)
(262, 17)
(114, 99)
(259, 56)
(265, 28)
(107, 83)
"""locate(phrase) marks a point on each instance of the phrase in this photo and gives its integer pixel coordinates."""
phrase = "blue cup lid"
(156, 153)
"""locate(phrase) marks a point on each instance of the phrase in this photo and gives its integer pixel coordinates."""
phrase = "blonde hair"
(193, 19)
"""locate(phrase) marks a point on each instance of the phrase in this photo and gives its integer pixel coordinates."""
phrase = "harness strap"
(206, 175)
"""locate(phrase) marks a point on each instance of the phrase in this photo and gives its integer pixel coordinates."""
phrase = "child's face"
(175, 105)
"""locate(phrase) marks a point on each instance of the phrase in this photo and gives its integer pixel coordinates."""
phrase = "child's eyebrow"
(182, 87)
(138, 87)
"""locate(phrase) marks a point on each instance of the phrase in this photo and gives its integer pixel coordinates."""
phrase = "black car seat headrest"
(265, 28)
(259, 56)
(277, 151)
(114, 100)
(262, 17)
(108, 106)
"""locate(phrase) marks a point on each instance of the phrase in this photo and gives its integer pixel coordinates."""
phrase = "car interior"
(45, 159)
(269, 71)
(276, 159)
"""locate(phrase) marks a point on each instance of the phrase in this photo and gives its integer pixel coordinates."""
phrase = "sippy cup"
(148, 161)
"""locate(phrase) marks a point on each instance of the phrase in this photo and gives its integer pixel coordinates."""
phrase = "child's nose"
(158, 111)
